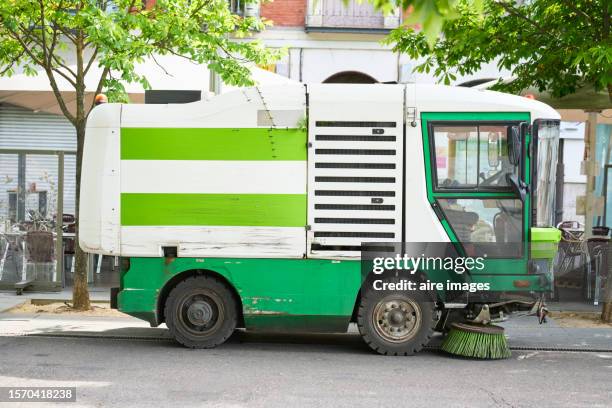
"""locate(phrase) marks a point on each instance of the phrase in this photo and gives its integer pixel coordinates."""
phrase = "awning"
(585, 98)
(35, 93)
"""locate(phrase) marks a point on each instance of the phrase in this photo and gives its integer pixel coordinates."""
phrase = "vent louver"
(355, 168)
(354, 185)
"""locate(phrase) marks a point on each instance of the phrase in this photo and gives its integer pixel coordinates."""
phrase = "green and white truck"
(249, 210)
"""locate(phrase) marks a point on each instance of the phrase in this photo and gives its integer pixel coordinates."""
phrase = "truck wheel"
(201, 312)
(396, 323)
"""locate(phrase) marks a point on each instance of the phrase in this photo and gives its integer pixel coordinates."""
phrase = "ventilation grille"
(354, 185)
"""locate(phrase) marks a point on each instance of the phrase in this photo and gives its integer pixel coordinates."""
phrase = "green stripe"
(476, 194)
(212, 144)
(258, 210)
(475, 116)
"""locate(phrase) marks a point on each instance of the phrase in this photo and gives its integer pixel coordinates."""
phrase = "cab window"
(473, 157)
(493, 226)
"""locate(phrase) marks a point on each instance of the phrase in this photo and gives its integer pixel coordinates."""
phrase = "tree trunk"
(80, 291)
(606, 313)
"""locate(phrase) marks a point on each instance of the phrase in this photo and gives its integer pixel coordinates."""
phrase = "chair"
(462, 222)
(38, 254)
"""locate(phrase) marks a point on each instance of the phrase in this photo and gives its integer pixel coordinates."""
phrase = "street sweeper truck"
(253, 209)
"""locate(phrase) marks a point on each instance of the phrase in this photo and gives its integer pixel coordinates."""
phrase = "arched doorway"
(350, 77)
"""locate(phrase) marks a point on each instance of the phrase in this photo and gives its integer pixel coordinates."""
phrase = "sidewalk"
(528, 333)
(9, 300)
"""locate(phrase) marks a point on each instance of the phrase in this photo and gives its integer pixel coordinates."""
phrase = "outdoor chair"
(38, 259)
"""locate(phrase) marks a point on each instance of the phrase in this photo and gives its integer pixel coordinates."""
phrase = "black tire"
(201, 312)
(411, 336)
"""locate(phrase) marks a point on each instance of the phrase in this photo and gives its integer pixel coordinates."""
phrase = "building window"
(242, 8)
(349, 15)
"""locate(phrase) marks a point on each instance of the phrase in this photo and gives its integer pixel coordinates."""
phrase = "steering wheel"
(494, 179)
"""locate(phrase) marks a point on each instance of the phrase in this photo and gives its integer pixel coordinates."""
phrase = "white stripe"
(213, 176)
(196, 241)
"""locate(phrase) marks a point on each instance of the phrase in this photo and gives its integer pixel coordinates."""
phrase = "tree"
(555, 45)
(66, 38)
(558, 46)
(427, 15)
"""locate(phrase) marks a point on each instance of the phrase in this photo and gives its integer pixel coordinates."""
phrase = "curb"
(47, 301)
(157, 338)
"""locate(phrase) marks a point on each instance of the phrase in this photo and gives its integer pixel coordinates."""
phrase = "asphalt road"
(294, 371)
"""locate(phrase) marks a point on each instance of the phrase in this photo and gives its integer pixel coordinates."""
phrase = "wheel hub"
(397, 320)
(199, 313)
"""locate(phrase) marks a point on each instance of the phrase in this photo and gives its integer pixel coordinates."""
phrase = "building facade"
(332, 41)
(325, 41)
(339, 41)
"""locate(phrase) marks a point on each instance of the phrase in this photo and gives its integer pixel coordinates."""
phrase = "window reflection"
(472, 157)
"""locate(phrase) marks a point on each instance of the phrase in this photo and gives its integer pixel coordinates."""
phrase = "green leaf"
(542, 42)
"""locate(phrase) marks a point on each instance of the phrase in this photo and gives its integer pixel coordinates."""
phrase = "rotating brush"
(477, 341)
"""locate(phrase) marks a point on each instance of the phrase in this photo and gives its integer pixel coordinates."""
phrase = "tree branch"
(573, 6)
(159, 65)
(9, 66)
(49, 72)
(516, 13)
(63, 75)
(25, 48)
(91, 61)
(60, 63)
(174, 52)
(50, 57)
(53, 40)
(105, 72)
(605, 34)
(60, 99)
(68, 35)
(43, 32)
(198, 9)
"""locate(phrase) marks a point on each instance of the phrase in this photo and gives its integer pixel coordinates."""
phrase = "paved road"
(292, 371)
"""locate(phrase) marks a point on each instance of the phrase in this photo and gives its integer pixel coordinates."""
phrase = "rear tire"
(395, 322)
(201, 312)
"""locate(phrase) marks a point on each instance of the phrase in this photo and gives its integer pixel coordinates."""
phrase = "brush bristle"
(476, 345)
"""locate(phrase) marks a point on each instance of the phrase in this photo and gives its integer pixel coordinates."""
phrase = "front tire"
(396, 323)
(201, 312)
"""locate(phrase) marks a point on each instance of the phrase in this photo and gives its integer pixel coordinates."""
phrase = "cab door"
(468, 172)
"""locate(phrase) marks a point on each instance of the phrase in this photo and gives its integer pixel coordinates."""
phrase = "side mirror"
(514, 145)
(493, 149)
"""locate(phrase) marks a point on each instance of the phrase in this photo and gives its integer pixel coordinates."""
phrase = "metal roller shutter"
(23, 129)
